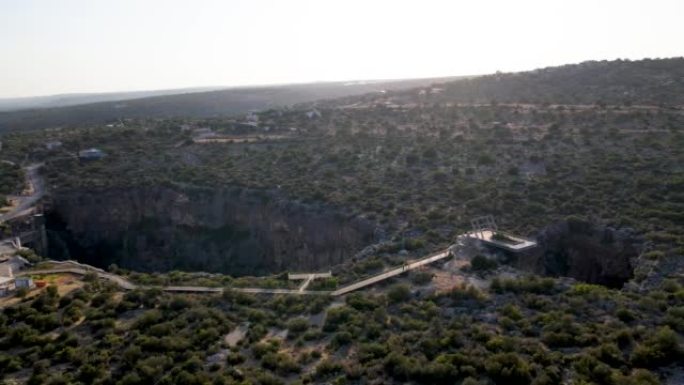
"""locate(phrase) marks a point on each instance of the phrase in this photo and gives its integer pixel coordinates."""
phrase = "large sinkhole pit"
(230, 230)
(588, 252)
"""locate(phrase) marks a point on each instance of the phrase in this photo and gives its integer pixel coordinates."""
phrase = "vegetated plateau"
(586, 159)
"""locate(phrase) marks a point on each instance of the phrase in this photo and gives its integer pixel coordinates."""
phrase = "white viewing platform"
(502, 240)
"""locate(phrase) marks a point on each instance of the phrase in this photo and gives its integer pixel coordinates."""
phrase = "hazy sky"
(63, 46)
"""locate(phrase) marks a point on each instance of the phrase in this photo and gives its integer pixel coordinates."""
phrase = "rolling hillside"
(657, 82)
(195, 105)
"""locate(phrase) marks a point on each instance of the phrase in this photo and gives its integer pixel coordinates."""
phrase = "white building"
(314, 113)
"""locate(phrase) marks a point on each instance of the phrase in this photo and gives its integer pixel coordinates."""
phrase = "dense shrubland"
(523, 331)
(420, 170)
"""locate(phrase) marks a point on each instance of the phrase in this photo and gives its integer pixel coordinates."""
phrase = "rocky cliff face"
(229, 230)
(587, 252)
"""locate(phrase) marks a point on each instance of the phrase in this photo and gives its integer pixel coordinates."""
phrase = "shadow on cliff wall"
(228, 230)
(587, 252)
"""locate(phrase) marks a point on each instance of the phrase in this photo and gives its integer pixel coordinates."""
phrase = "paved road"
(26, 202)
(391, 273)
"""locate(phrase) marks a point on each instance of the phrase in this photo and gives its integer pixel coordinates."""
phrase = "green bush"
(398, 293)
(280, 362)
(508, 368)
(262, 348)
(659, 349)
(336, 317)
(327, 368)
(340, 339)
(421, 277)
(625, 315)
(371, 351)
(531, 284)
(465, 292)
(675, 318)
(297, 325)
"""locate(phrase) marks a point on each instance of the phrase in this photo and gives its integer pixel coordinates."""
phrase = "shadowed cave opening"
(582, 250)
(229, 230)
(588, 252)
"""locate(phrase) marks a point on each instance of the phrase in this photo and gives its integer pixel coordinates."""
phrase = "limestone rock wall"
(229, 230)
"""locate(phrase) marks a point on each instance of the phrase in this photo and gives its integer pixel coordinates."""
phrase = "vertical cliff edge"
(229, 230)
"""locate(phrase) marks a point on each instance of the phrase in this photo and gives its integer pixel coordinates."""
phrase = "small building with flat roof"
(501, 240)
(24, 282)
(486, 231)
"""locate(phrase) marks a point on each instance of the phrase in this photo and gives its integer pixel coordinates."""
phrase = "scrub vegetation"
(530, 149)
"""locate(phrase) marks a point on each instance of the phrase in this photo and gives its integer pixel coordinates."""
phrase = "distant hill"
(65, 100)
(658, 82)
(197, 104)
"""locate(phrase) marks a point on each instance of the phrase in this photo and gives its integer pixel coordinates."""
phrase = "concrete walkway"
(72, 267)
(307, 278)
(306, 282)
(392, 273)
